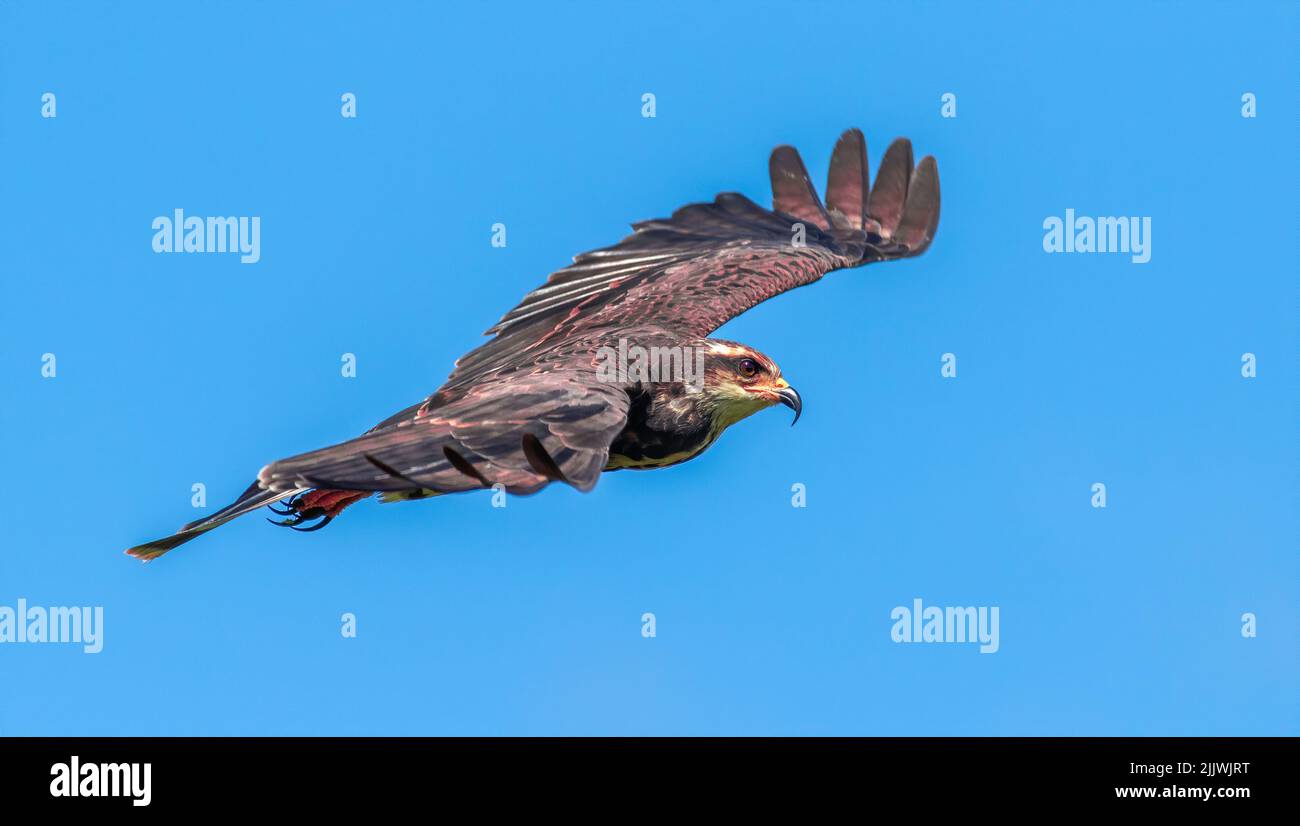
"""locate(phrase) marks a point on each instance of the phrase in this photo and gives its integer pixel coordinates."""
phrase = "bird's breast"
(651, 442)
(639, 460)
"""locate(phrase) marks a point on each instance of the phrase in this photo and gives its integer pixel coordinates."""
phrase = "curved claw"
(321, 512)
(315, 527)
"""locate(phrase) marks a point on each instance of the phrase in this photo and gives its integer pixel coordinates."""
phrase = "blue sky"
(976, 490)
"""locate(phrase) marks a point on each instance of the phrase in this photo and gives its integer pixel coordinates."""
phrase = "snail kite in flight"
(536, 404)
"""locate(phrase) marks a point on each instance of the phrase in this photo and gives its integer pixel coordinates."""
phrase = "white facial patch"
(721, 349)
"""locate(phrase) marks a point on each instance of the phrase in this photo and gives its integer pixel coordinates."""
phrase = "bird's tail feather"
(249, 501)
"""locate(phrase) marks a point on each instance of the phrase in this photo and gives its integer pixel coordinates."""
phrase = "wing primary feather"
(792, 189)
(540, 460)
(464, 466)
(849, 179)
(889, 194)
(393, 472)
(921, 211)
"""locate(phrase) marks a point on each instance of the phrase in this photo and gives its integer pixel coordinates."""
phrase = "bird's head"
(740, 381)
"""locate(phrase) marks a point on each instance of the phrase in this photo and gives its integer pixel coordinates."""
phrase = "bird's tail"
(249, 501)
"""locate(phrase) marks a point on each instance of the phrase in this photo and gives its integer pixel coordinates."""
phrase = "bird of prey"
(536, 404)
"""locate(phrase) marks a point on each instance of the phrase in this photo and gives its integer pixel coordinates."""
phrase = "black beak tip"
(790, 398)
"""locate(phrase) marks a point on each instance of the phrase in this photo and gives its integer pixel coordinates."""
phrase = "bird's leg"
(331, 502)
(317, 504)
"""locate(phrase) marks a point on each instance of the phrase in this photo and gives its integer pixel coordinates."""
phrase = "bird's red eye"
(747, 368)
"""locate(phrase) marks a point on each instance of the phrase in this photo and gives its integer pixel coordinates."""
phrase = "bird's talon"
(317, 526)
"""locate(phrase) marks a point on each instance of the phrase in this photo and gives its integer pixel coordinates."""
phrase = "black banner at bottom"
(84, 775)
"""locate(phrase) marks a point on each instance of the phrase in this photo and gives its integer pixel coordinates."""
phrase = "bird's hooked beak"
(789, 397)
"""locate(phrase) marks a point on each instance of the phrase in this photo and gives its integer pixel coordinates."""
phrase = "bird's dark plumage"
(528, 407)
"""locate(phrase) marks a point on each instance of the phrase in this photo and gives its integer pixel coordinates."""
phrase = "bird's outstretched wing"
(555, 423)
(710, 262)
